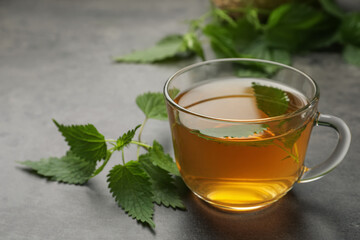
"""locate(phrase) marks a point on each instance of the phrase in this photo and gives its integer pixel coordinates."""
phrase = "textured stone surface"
(55, 62)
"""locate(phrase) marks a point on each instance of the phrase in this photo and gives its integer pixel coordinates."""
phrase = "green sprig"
(136, 185)
(292, 28)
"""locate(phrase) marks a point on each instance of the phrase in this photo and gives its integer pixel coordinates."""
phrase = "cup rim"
(308, 106)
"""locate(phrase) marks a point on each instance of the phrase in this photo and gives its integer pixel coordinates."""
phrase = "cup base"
(245, 207)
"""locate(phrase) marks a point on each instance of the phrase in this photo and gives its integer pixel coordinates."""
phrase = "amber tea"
(240, 130)
(237, 166)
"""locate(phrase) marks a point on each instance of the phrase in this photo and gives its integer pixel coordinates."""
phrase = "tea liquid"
(232, 171)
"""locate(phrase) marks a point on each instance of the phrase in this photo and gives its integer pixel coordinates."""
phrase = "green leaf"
(280, 55)
(153, 105)
(277, 14)
(244, 34)
(221, 40)
(166, 48)
(290, 139)
(194, 45)
(331, 7)
(237, 133)
(99, 169)
(287, 157)
(173, 92)
(125, 139)
(352, 55)
(253, 17)
(234, 131)
(350, 29)
(131, 188)
(68, 169)
(84, 140)
(163, 187)
(222, 15)
(250, 73)
(259, 49)
(299, 27)
(272, 101)
(157, 157)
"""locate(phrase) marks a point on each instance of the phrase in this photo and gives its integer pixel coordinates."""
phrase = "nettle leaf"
(173, 92)
(84, 140)
(234, 131)
(250, 72)
(352, 55)
(157, 157)
(68, 169)
(221, 40)
(193, 44)
(350, 29)
(99, 169)
(166, 48)
(126, 138)
(153, 105)
(220, 137)
(131, 188)
(331, 7)
(260, 49)
(163, 187)
(290, 139)
(280, 55)
(243, 34)
(298, 27)
(272, 101)
(222, 15)
(252, 16)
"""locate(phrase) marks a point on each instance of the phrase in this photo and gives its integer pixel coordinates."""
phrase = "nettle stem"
(115, 148)
(296, 158)
(123, 156)
(141, 144)
(108, 156)
(139, 138)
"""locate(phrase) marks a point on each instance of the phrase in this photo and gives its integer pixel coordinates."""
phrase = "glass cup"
(240, 129)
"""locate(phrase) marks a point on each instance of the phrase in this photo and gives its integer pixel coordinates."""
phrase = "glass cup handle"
(312, 174)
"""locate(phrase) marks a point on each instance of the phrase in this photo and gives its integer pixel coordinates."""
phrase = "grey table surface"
(55, 62)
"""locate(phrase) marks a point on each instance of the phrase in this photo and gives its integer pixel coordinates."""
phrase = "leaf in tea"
(234, 131)
(290, 139)
(272, 101)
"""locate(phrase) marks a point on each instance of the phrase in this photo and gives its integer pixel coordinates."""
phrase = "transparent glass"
(240, 129)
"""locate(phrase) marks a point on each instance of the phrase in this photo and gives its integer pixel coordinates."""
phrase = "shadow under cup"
(240, 130)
